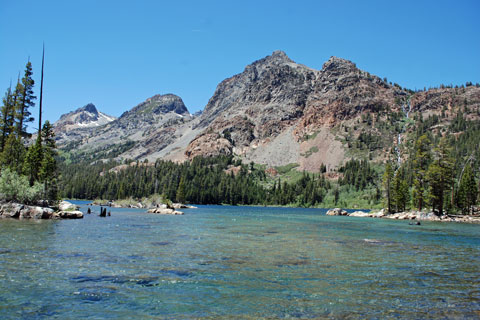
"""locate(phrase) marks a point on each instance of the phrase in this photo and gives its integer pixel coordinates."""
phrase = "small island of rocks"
(63, 210)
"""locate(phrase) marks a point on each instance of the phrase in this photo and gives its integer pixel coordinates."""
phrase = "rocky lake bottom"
(220, 262)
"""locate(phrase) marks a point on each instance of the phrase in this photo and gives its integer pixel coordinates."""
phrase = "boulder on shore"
(182, 206)
(21, 211)
(67, 206)
(337, 212)
(359, 214)
(370, 214)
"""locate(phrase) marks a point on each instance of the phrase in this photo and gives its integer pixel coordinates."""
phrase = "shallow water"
(237, 262)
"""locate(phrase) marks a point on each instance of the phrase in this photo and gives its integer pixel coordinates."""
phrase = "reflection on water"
(237, 262)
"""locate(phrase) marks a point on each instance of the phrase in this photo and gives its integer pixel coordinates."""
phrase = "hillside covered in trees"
(438, 170)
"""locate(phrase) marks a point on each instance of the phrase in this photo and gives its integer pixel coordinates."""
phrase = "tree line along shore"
(438, 173)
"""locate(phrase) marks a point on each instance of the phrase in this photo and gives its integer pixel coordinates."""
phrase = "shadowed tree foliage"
(401, 195)
(7, 112)
(387, 186)
(467, 191)
(421, 161)
(440, 175)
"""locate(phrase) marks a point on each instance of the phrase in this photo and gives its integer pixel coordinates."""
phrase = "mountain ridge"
(275, 112)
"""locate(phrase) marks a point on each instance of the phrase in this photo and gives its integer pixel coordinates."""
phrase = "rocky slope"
(142, 132)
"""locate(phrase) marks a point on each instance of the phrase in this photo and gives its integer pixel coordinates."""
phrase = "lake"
(220, 262)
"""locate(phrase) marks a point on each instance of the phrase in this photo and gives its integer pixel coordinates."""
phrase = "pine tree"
(7, 117)
(25, 101)
(467, 191)
(33, 161)
(180, 196)
(440, 175)
(13, 154)
(420, 166)
(401, 195)
(387, 185)
(48, 166)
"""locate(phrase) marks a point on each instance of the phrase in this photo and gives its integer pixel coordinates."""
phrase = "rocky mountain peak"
(338, 66)
(75, 124)
(276, 58)
(280, 56)
(89, 108)
(160, 104)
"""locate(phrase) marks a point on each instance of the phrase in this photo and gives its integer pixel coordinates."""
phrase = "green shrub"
(15, 187)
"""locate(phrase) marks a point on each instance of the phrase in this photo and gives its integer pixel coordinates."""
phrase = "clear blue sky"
(118, 53)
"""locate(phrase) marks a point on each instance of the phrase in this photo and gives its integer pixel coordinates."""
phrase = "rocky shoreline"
(65, 210)
(407, 215)
(158, 209)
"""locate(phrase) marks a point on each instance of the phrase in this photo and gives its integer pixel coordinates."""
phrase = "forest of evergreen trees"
(28, 171)
(438, 172)
(201, 181)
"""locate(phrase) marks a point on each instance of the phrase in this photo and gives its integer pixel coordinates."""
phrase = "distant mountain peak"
(89, 108)
(86, 116)
(160, 104)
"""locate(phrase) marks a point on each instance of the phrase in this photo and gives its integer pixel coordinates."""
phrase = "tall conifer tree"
(467, 191)
(420, 166)
(440, 175)
(25, 101)
(387, 185)
(7, 118)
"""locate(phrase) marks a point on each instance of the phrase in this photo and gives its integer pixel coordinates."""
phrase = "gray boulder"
(66, 206)
(337, 212)
(69, 215)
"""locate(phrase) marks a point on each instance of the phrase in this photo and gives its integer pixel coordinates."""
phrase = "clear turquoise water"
(238, 262)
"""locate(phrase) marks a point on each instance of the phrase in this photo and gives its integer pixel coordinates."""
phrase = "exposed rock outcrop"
(20, 211)
(277, 102)
(165, 210)
(370, 214)
(337, 212)
(67, 206)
